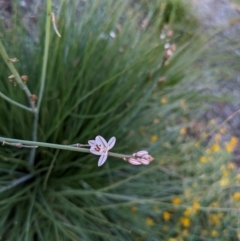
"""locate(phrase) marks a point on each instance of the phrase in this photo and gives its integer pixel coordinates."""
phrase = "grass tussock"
(112, 74)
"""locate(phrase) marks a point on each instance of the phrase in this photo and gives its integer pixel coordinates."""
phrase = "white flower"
(100, 147)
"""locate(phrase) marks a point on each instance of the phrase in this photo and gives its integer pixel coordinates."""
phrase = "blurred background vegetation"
(137, 70)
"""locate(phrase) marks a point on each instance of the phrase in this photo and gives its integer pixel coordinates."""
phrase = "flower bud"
(170, 33)
(133, 161)
(168, 53)
(148, 158)
(173, 47)
(139, 158)
(140, 153)
(24, 78)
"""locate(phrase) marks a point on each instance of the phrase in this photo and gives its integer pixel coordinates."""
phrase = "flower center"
(99, 148)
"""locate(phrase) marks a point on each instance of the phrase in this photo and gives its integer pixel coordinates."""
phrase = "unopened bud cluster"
(166, 34)
(139, 158)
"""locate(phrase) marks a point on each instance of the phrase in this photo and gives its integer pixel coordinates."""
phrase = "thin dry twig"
(54, 25)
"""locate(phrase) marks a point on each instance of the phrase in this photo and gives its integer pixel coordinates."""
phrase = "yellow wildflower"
(196, 206)
(185, 232)
(215, 147)
(176, 200)
(238, 176)
(149, 221)
(214, 233)
(236, 196)
(229, 147)
(225, 173)
(203, 159)
(183, 131)
(154, 138)
(185, 222)
(164, 100)
(214, 219)
(166, 216)
(133, 209)
(223, 130)
(217, 137)
(224, 182)
(234, 140)
(231, 165)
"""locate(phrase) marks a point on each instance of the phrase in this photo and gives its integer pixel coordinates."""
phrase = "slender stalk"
(43, 78)
(16, 182)
(16, 75)
(57, 146)
(49, 171)
(15, 102)
(29, 215)
(19, 145)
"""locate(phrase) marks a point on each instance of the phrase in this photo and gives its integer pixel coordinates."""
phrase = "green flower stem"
(16, 182)
(15, 103)
(43, 77)
(16, 75)
(57, 146)
(49, 171)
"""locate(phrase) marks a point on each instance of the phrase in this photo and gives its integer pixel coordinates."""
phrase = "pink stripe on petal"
(101, 141)
(145, 162)
(134, 162)
(102, 159)
(140, 153)
(111, 142)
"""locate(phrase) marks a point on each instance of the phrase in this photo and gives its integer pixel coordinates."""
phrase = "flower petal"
(92, 143)
(102, 159)
(111, 142)
(145, 162)
(133, 161)
(140, 153)
(101, 141)
(93, 151)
